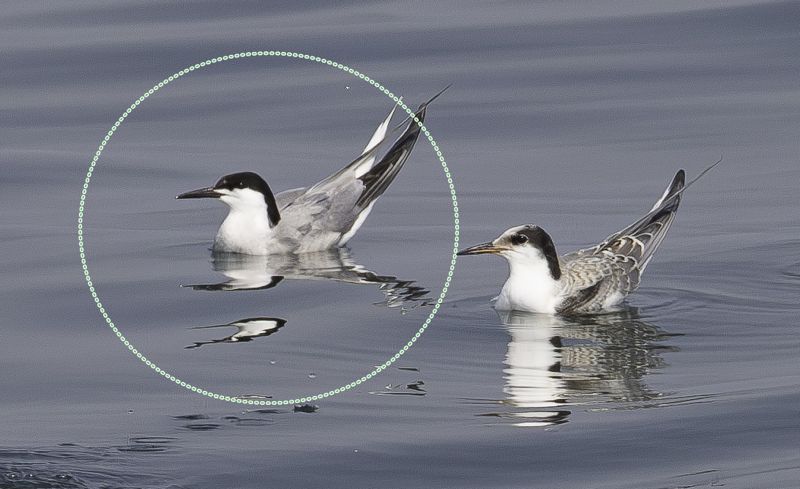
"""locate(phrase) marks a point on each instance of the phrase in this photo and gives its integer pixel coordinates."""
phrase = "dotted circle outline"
(242, 400)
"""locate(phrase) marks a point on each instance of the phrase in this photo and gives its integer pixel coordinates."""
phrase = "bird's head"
(243, 191)
(522, 245)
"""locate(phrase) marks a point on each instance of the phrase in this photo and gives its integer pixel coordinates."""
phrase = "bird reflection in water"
(250, 272)
(259, 272)
(554, 362)
(246, 330)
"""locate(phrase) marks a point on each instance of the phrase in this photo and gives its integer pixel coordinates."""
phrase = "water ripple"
(72, 466)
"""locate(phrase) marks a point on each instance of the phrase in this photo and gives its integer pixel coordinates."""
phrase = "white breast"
(529, 287)
(245, 229)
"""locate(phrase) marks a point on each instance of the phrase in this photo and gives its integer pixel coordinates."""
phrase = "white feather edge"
(377, 138)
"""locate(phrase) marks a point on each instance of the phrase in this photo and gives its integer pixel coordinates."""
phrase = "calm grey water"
(573, 116)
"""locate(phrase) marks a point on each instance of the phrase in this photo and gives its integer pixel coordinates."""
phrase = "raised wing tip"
(420, 112)
(705, 171)
(423, 105)
(679, 181)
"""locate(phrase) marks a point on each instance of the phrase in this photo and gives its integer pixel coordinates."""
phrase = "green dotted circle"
(241, 400)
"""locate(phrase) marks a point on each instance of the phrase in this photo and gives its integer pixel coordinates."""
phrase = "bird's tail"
(649, 231)
(678, 182)
(652, 229)
(365, 165)
(380, 176)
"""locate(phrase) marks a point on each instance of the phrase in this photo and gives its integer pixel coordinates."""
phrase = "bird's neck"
(530, 287)
(246, 229)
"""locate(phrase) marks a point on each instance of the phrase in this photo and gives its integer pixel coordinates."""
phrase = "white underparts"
(529, 287)
(246, 229)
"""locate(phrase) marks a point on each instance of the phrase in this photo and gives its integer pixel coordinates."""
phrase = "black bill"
(201, 193)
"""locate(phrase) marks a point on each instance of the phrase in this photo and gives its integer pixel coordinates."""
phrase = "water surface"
(573, 116)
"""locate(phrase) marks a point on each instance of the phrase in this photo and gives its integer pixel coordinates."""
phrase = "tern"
(591, 280)
(323, 216)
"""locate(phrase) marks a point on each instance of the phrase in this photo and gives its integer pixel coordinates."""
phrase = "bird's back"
(316, 219)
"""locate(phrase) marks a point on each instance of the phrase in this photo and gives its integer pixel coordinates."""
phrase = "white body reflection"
(253, 272)
(555, 362)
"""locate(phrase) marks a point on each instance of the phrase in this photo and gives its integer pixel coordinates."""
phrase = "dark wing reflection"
(553, 362)
(248, 272)
(246, 330)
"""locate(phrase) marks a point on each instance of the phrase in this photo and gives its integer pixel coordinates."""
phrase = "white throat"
(246, 229)
(529, 287)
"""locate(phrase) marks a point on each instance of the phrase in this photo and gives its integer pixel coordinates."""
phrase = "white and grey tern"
(323, 216)
(586, 281)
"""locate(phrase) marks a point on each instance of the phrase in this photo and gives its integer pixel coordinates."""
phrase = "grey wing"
(641, 239)
(325, 214)
(593, 283)
(288, 196)
(379, 177)
(582, 300)
(369, 184)
(615, 266)
(393, 161)
(319, 217)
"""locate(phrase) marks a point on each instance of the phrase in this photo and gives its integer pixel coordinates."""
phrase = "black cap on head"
(539, 239)
(253, 181)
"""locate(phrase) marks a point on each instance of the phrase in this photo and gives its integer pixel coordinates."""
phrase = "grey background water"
(571, 115)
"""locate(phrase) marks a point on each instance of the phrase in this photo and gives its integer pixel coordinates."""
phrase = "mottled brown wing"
(615, 265)
(591, 279)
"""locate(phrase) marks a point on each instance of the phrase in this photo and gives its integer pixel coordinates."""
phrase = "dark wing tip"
(678, 182)
(420, 113)
(377, 179)
(425, 104)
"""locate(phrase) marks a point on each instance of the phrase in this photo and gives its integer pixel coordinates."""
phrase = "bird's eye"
(519, 239)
